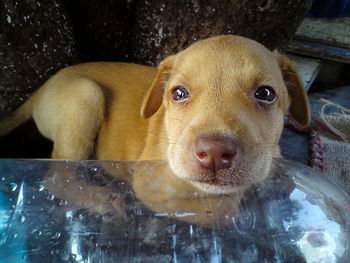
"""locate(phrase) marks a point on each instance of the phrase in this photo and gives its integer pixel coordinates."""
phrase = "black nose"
(215, 152)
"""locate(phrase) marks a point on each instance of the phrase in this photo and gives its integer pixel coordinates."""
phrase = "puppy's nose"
(215, 153)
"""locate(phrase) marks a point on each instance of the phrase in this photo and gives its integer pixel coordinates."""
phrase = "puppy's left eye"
(265, 94)
(180, 93)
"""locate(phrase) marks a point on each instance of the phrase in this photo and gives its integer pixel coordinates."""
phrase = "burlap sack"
(330, 146)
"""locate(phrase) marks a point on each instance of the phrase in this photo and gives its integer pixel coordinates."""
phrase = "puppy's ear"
(154, 96)
(299, 108)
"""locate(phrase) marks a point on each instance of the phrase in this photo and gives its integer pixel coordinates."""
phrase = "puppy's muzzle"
(215, 152)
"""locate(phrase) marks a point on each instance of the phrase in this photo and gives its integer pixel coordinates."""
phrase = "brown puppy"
(214, 111)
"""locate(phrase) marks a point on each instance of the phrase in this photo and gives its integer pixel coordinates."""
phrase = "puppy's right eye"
(180, 93)
(265, 94)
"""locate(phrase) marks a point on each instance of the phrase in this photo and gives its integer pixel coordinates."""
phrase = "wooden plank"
(308, 68)
(319, 51)
(330, 31)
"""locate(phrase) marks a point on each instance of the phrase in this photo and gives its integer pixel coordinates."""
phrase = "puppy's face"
(225, 99)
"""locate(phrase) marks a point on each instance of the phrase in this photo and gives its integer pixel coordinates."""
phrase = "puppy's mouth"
(216, 181)
(219, 185)
(223, 177)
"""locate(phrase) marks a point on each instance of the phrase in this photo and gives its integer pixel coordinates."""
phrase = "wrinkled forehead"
(228, 57)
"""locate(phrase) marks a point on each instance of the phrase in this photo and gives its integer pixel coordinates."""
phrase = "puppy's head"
(225, 99)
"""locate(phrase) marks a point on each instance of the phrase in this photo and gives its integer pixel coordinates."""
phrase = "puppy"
(214, 112)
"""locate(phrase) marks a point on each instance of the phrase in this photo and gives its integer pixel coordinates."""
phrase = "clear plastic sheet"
(59, 211)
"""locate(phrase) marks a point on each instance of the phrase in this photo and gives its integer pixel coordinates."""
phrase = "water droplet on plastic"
(63, 202)
(50, 197)
(93, 169)
(38, 188)
(11, 187)
(74, 256)
(15, 235)
(57, 235)
(21, 219)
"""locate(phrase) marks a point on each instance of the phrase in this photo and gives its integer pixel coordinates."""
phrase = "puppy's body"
(221, 135)
(96, 98)
(133, 137)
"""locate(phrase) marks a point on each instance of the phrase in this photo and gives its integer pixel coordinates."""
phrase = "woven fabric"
(331, 149)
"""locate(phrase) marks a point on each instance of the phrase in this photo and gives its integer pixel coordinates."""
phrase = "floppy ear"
(154, 95)
(299, 108)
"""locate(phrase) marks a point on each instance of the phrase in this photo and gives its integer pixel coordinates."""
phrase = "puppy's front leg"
(73, 183)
